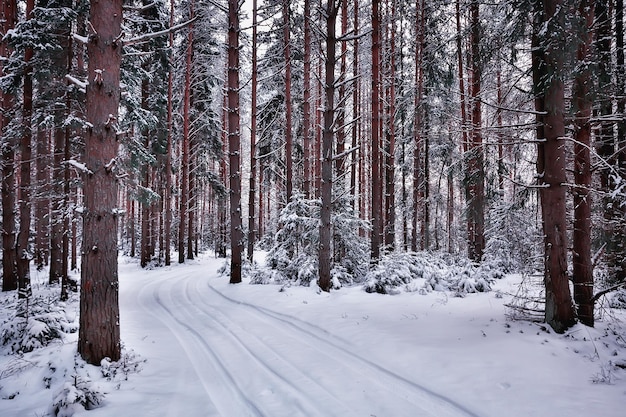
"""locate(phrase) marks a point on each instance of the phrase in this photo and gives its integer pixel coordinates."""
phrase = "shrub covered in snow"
(425, 271)
(35, 322)
(293, 257)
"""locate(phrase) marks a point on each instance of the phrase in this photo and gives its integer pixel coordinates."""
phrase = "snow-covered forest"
(422, 205)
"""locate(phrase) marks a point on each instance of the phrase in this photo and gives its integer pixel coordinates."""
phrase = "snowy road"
(251, 361)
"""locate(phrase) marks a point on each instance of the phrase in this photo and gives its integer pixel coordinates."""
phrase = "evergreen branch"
(148, 36)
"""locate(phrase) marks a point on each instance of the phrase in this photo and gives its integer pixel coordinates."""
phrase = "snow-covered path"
(248, 360)
(214, 349)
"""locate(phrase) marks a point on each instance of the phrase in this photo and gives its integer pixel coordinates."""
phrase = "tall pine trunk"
(234, 143)
(390, 195)
(9, 258)
(184, 176)
(23, 253)
(99, 332)
(376, 208)
(418, 132)
(306, 122)
(583, 100)
(253, 133)
(288, 106)
(325, 231)
(475, 159)
(549, 59)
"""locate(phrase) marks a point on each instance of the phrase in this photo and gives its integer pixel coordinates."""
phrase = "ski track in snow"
(286, 366)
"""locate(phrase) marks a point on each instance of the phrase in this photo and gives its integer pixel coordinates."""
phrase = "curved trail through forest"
(252, 361)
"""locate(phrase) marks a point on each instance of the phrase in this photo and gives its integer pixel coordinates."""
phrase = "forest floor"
(196, 346)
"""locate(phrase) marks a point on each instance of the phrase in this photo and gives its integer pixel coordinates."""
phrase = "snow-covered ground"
(206, 348)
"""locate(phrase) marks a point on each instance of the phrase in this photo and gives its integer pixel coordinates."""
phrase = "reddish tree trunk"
(167, 195)
(146, 201)
(582, 262)
(23, 254)
(355, 107)
(559, 312)
(376, 154)
(418, 128)
(306, 123)
(340, 159)
(191, 203)
(42, 202)
(99, 332)
(184, 176)
(9, 258)
(253, 132)
(620, 75)
(288, 134)
(234, 143)
(390, 195)
(325, 250)
(475, 168)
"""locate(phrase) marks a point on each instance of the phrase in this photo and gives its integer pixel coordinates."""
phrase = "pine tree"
(99, 332)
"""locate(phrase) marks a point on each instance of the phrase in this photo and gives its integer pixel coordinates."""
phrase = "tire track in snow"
(284, 372)
(226, 396)
(416, 393)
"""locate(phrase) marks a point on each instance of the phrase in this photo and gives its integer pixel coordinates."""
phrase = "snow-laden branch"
(79, 166)
(345, 153)
(148, 36)
(80, 38)
(82, 85)
(140, 8)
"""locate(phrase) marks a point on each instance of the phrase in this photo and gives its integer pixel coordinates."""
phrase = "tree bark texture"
(288, 105)
(234, 143)
(551, 164)
(376, 207)
(99, 332)
(184, 176)
(23, 253)
(253, 133)
(475, 158)
(325, 231)
(582, 261)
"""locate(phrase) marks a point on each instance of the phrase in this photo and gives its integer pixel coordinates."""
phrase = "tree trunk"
(582, 262)
(355, 109)
(23, 253)
(376, 154)
(325, 250)
(620, 76)
(418, 128)
(390, 195)
(145, 172)
(167, 195)
(559, 313)
(99, 332)
(475, 164)
(234, 143)
(42, 202)
(191, 203)
(253, 128)
(62, 61)
(288, 134)
(9, 258)
(184, 176)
